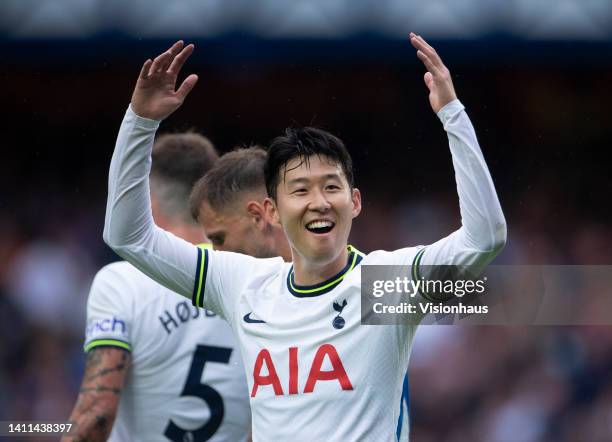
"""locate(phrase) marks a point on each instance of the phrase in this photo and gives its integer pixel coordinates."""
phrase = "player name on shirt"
(182, 313)
(170, 320)
(186, 379)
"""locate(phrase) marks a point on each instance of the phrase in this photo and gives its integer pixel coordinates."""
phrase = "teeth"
(319, 224)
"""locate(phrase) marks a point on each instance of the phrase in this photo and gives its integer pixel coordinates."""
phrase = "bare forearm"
(94, 413)
(93, 417)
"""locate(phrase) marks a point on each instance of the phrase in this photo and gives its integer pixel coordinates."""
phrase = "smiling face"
(315, 206)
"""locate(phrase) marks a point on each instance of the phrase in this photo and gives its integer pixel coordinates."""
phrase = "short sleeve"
(222, 276)
(110, 309)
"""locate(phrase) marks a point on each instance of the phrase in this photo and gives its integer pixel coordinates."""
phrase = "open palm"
(155, 96)
(437, 78)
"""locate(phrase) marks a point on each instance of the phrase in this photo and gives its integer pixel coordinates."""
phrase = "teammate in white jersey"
(314, 372)
(229, 203)
(165, 369)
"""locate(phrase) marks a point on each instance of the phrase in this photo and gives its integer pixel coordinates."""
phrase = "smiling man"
(309, 178)
(314, 372)
(229, 203)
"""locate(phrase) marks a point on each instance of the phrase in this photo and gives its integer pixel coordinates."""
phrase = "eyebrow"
(303, 180)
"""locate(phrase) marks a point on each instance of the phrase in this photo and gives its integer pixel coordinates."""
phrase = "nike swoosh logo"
(247, 318)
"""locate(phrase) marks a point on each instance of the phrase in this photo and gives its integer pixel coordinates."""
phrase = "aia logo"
(265, 364)
(338, 321)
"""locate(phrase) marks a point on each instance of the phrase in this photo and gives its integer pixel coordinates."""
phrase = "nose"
(319, 201)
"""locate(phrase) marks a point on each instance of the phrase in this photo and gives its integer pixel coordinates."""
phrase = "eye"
(332, 187)
(300, 191)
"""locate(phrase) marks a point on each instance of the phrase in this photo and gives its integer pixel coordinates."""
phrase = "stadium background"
(534, 75)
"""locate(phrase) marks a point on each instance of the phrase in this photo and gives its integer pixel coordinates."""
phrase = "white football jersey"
(186, 380)
(314, 372)
(403, 423)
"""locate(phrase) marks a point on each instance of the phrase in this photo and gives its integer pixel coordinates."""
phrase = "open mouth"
(320, 227)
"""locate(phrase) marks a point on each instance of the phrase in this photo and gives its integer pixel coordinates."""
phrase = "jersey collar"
(309, 291)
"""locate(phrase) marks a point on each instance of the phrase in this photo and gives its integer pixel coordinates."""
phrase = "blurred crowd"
(466, 382)
(512, 384)
(545, 132)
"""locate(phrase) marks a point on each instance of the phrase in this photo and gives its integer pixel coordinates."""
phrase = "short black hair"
(238, 171)
(303, 143)
(178, 161)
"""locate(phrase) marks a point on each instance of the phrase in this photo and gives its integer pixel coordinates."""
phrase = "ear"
(271, 211)
(257, 213)
(356, 199)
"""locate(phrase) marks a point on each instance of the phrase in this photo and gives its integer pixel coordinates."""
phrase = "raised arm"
(129, 228)
(482, 234)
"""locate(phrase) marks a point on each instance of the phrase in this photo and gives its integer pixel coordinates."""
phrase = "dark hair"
(304, 142)
(178, 160)
(235, 172)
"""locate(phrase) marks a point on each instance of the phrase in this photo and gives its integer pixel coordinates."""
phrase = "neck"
(281, 245)
(309, 273)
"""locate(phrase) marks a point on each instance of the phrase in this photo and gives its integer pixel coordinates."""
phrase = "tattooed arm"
(96, 407)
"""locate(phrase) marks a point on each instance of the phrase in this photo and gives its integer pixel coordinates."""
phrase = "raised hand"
(155, 96)
(437, 78)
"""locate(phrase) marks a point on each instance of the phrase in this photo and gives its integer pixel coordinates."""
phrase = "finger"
(429, 82)
(161, 62)
(420, 46)
(432, 54)
(145, 69)
(415, 41)
(172, 53)
(186, 87)
(176, 47)
(419, 43)
(158, 62)
(424, 43)
(427, 50)
(428, 63)
(179, 60)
